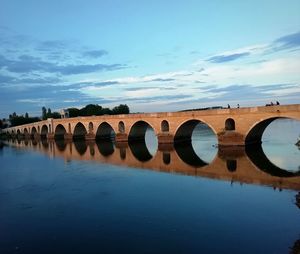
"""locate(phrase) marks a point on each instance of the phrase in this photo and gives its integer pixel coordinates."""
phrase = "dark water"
(107, 198)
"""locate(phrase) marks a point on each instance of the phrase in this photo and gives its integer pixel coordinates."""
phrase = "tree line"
(88, 110)
(97, 110)
(22, 119)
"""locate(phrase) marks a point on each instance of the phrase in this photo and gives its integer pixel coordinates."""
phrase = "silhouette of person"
(228, 106)
(238, 106)
(277, 103)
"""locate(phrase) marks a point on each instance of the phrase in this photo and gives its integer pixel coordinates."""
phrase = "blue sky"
(151, 55)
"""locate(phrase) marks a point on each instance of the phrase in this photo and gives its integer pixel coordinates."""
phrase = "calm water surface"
(83, 198)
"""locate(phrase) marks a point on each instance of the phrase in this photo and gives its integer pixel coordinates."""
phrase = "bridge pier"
(121, 145)
(231, 138)
(165, 147)
(165, 138)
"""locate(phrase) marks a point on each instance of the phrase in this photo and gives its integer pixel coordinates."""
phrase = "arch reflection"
(259, 158)
(34, 142)
(105, 147)
(233, 165)
(122, 153)
(45, 143)
(186, 152)
(140, 151)
(166, 158)
(80, 146)
(61, 144)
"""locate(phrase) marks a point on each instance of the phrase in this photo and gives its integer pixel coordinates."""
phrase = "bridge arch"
(105, 131)
(185, 129)
(137, 141)
(138, 130)
(44, 131)
(33, 131)
(255, 132)
(183, 143)
(59, 132)
(79, 131)
(26, 132)
(18, 132)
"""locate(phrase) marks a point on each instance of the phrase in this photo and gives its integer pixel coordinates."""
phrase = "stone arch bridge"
(236, 126)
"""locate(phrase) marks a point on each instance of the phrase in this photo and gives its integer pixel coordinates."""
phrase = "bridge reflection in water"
(245, 165)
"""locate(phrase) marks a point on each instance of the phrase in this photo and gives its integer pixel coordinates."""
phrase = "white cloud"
(142, 93)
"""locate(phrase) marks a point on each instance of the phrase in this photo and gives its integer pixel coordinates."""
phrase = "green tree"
(121, 109)
(55, 115)
(73, 112)
(106, 111)
(44, 113)
(19, 120)
(91, 109)
(49, 113)
(26, 115)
